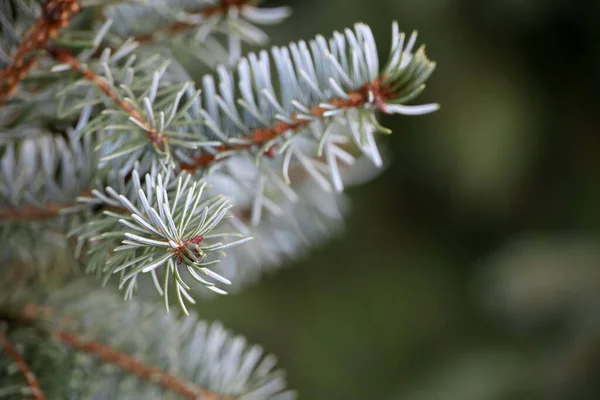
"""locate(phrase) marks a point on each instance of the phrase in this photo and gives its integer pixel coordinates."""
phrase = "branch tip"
(377, 90)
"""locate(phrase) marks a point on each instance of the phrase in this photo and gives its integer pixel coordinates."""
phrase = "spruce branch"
(216, 9)
(34, 213)
(56, 14)
(33, 386)
(165, 229)
(335, 83)
(188, 358)
(144, 104)
(42, 176)
(32, 314)
(326, 102)
(156, 182)
(320, 87)
(322, 113)
(260, 136)
(136, 367)
(156, 138)
(194, 23)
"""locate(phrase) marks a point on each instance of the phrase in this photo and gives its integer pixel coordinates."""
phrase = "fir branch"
(165, 227)
(56, 14)
(156, 138)
(29, 212)
(42, 176)
(139, 352)
(109, 355)
(191, 25)
(324, 95)
(250, 140)
(48, 210)
(13, 353)
(222, 7)
(376, 91)
(138, 368)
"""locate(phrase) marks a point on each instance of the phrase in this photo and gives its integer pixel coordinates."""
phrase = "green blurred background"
(470, 268)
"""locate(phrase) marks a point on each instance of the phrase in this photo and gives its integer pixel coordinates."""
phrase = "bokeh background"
(470, 269)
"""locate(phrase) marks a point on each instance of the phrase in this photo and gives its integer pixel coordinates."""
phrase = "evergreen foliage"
(115, 162)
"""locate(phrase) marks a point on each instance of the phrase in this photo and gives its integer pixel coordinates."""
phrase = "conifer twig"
(13, 353)
(65, 57)
(56, 14)
(28, 212)
(109, 355)
(261, 136)
(50, 210)
(221, 8)
(32, 212)
(128, 363)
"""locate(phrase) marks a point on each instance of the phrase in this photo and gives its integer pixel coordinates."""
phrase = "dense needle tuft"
(165, 231)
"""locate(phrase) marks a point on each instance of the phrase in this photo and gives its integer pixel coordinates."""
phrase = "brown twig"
(261, 136)
(32, 213)
(13, 353)
(221, 8)
(56, 14)
(128, 363)
(138, 368)
(65, 57)
(50, 210)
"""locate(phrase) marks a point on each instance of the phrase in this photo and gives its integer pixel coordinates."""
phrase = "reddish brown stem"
(49, 210)
(14, 354)
(261, 136)
(32, 213)
(25, 213)
(128, 363)
(56, 14)
(138, 368)
(221, 8)
(66, 58)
